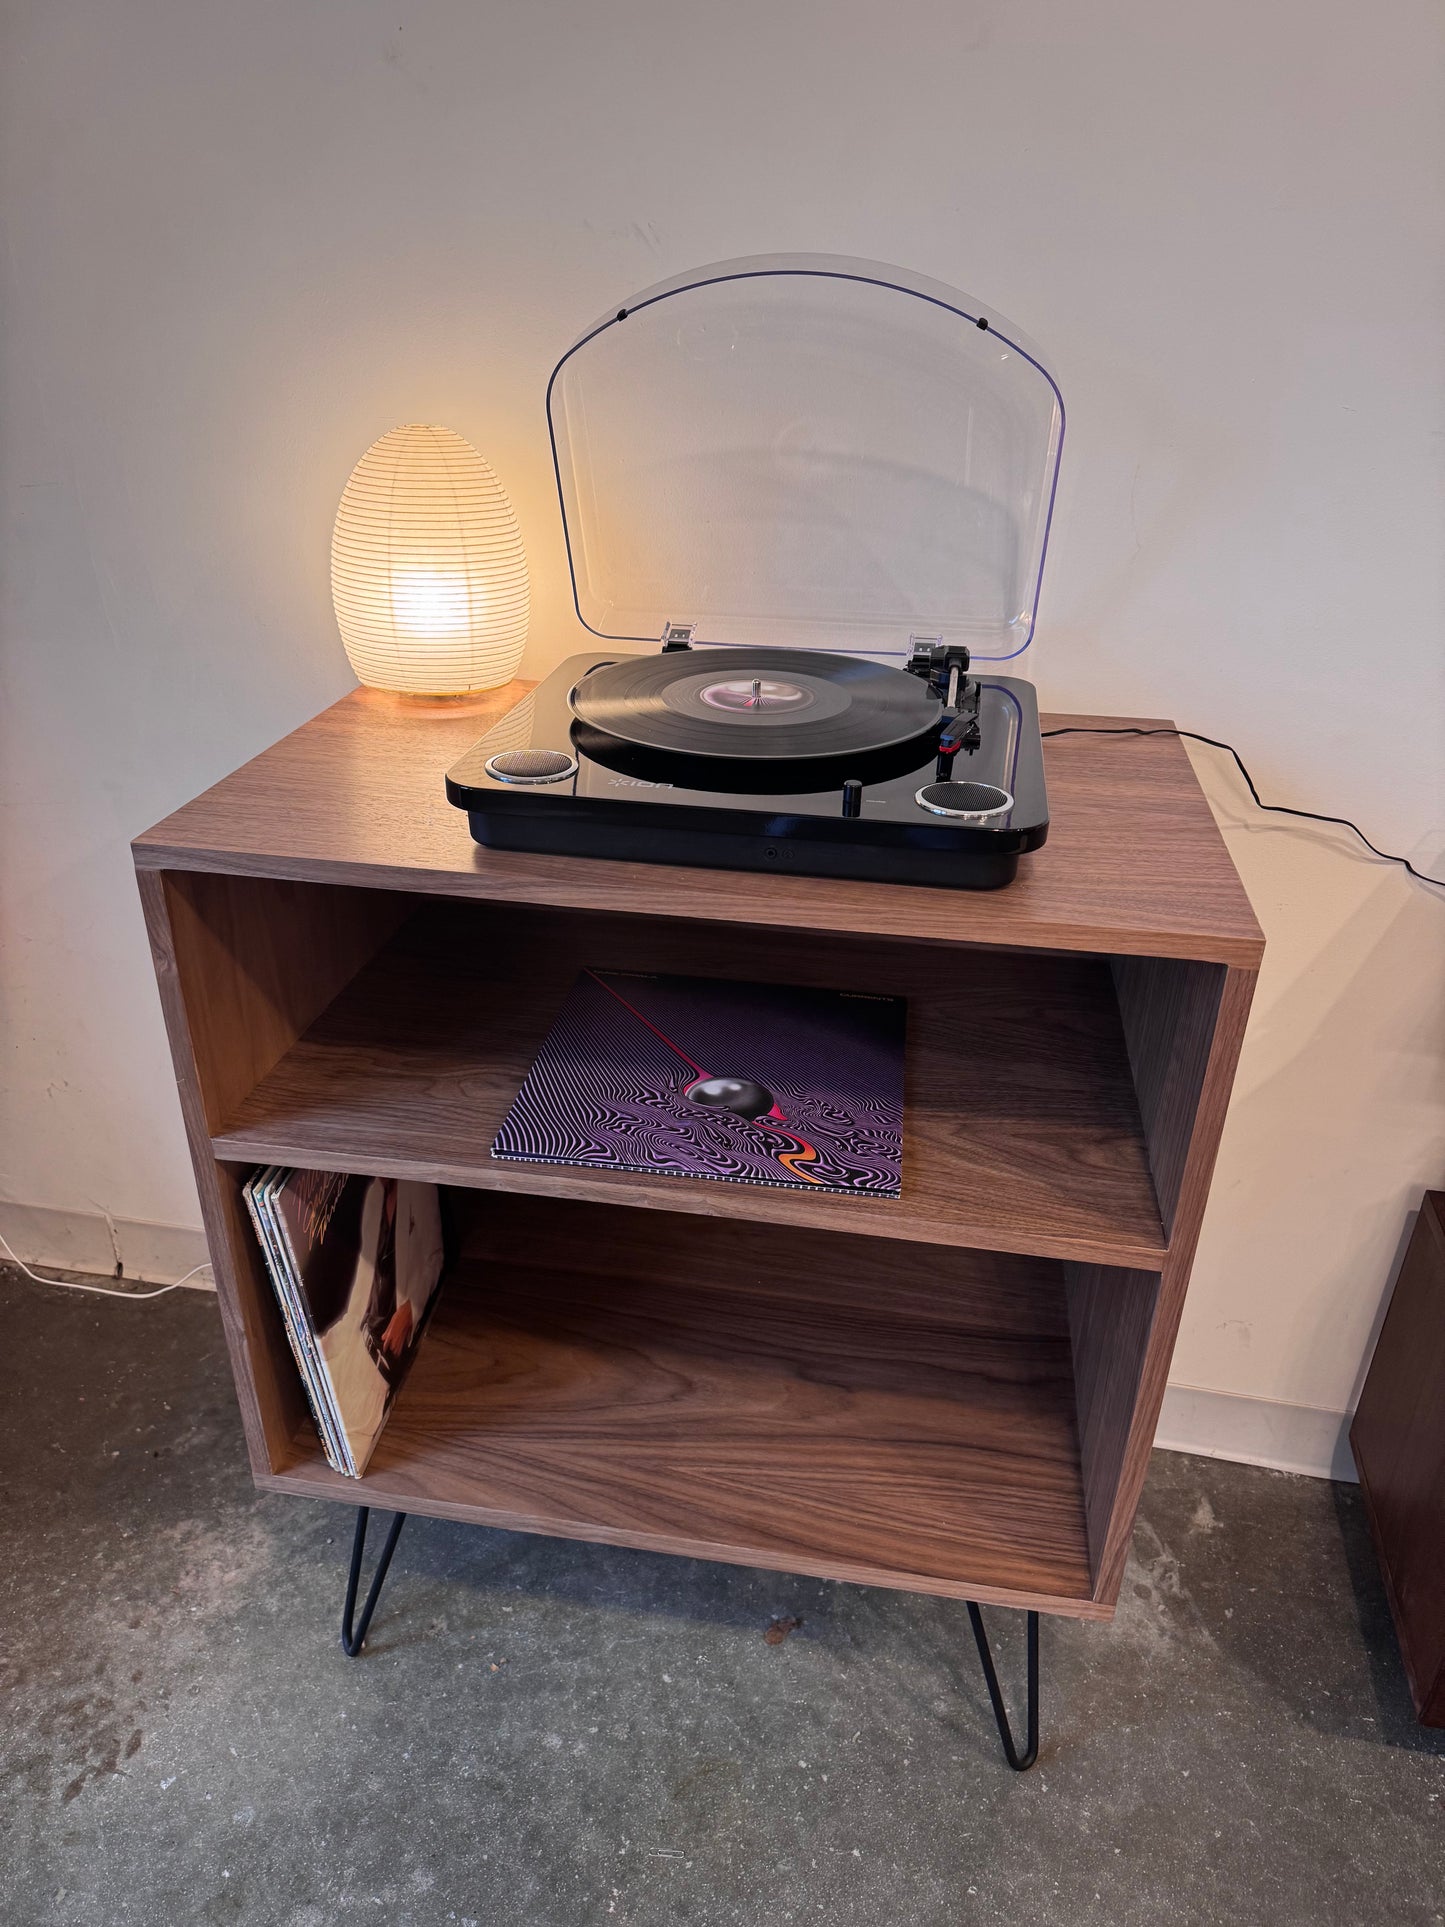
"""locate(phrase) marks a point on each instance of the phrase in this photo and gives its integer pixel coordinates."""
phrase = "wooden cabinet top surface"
(1134, 863)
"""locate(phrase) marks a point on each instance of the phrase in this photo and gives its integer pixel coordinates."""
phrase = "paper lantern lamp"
(428, 573)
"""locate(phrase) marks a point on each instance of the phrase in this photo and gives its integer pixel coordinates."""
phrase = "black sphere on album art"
(742, 1095)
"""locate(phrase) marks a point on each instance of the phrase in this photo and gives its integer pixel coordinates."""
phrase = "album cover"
(695, 1077)
(355, 1262)
(302, 1339)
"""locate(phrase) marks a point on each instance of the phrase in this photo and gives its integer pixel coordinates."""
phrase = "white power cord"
(101, 1291)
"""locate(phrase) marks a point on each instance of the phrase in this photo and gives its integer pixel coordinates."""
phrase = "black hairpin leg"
(1020, 1762)
(352, 1638)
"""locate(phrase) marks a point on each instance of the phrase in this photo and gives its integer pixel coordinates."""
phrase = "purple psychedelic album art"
(690, 1077)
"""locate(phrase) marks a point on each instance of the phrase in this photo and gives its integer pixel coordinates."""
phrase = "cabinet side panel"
(267, 1387)
(1197, 1167)
(256, 961)
(1111, 1317)
(1169, 1009)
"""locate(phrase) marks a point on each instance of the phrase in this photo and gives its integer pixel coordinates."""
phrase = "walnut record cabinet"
(954, 1393)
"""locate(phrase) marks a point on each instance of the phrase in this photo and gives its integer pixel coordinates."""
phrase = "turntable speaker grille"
(975, 802)
(530, 765)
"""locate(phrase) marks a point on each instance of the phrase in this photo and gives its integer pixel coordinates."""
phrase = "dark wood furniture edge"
(1428, 1695)
(1427, 1684)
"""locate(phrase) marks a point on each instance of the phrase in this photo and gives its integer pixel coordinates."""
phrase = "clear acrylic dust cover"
(807, 450)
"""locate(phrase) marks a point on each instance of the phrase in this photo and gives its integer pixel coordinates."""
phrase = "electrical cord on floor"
(101, 1291)
(1276, 809)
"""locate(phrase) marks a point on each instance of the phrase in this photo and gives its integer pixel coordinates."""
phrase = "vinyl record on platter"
(767, 704)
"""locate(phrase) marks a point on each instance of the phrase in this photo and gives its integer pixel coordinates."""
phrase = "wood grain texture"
(243, 965)
(1233, 1013)
(1111, 1317)
(1022, 1132)
(1134, 863)
(257, 959)
(1398, 1439)
(1168, 1007)
(267, 1387)
(804, 1401)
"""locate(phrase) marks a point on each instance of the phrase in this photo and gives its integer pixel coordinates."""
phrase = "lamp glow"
(428, 572)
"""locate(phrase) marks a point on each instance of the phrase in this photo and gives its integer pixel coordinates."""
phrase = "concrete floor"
(543, 1734)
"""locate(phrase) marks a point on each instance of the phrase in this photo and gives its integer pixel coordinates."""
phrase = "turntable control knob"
(852, 798)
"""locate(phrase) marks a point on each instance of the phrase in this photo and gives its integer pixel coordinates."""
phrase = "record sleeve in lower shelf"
(355, 1263)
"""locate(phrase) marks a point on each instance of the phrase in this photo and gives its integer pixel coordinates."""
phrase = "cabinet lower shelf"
(785, 1399)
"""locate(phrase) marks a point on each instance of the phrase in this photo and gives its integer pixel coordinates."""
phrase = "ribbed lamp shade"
(428, 573)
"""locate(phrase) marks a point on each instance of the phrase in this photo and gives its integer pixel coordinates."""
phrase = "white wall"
(242, 239)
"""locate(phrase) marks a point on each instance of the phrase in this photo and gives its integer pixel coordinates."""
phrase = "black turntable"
(795, 452)
(826, 765)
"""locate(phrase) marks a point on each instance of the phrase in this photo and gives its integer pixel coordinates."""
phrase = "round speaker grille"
(973, 802)
(530, 765)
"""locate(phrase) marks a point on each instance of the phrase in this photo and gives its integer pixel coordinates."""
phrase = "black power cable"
(1276, 809)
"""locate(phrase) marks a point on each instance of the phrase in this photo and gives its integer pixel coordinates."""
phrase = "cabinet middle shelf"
(1021, 1127)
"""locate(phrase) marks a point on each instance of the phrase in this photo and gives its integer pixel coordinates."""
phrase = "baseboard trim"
(1257, 1431)
(59, 1240)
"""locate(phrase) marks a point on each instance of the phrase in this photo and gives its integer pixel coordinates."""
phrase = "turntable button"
(852, 798)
